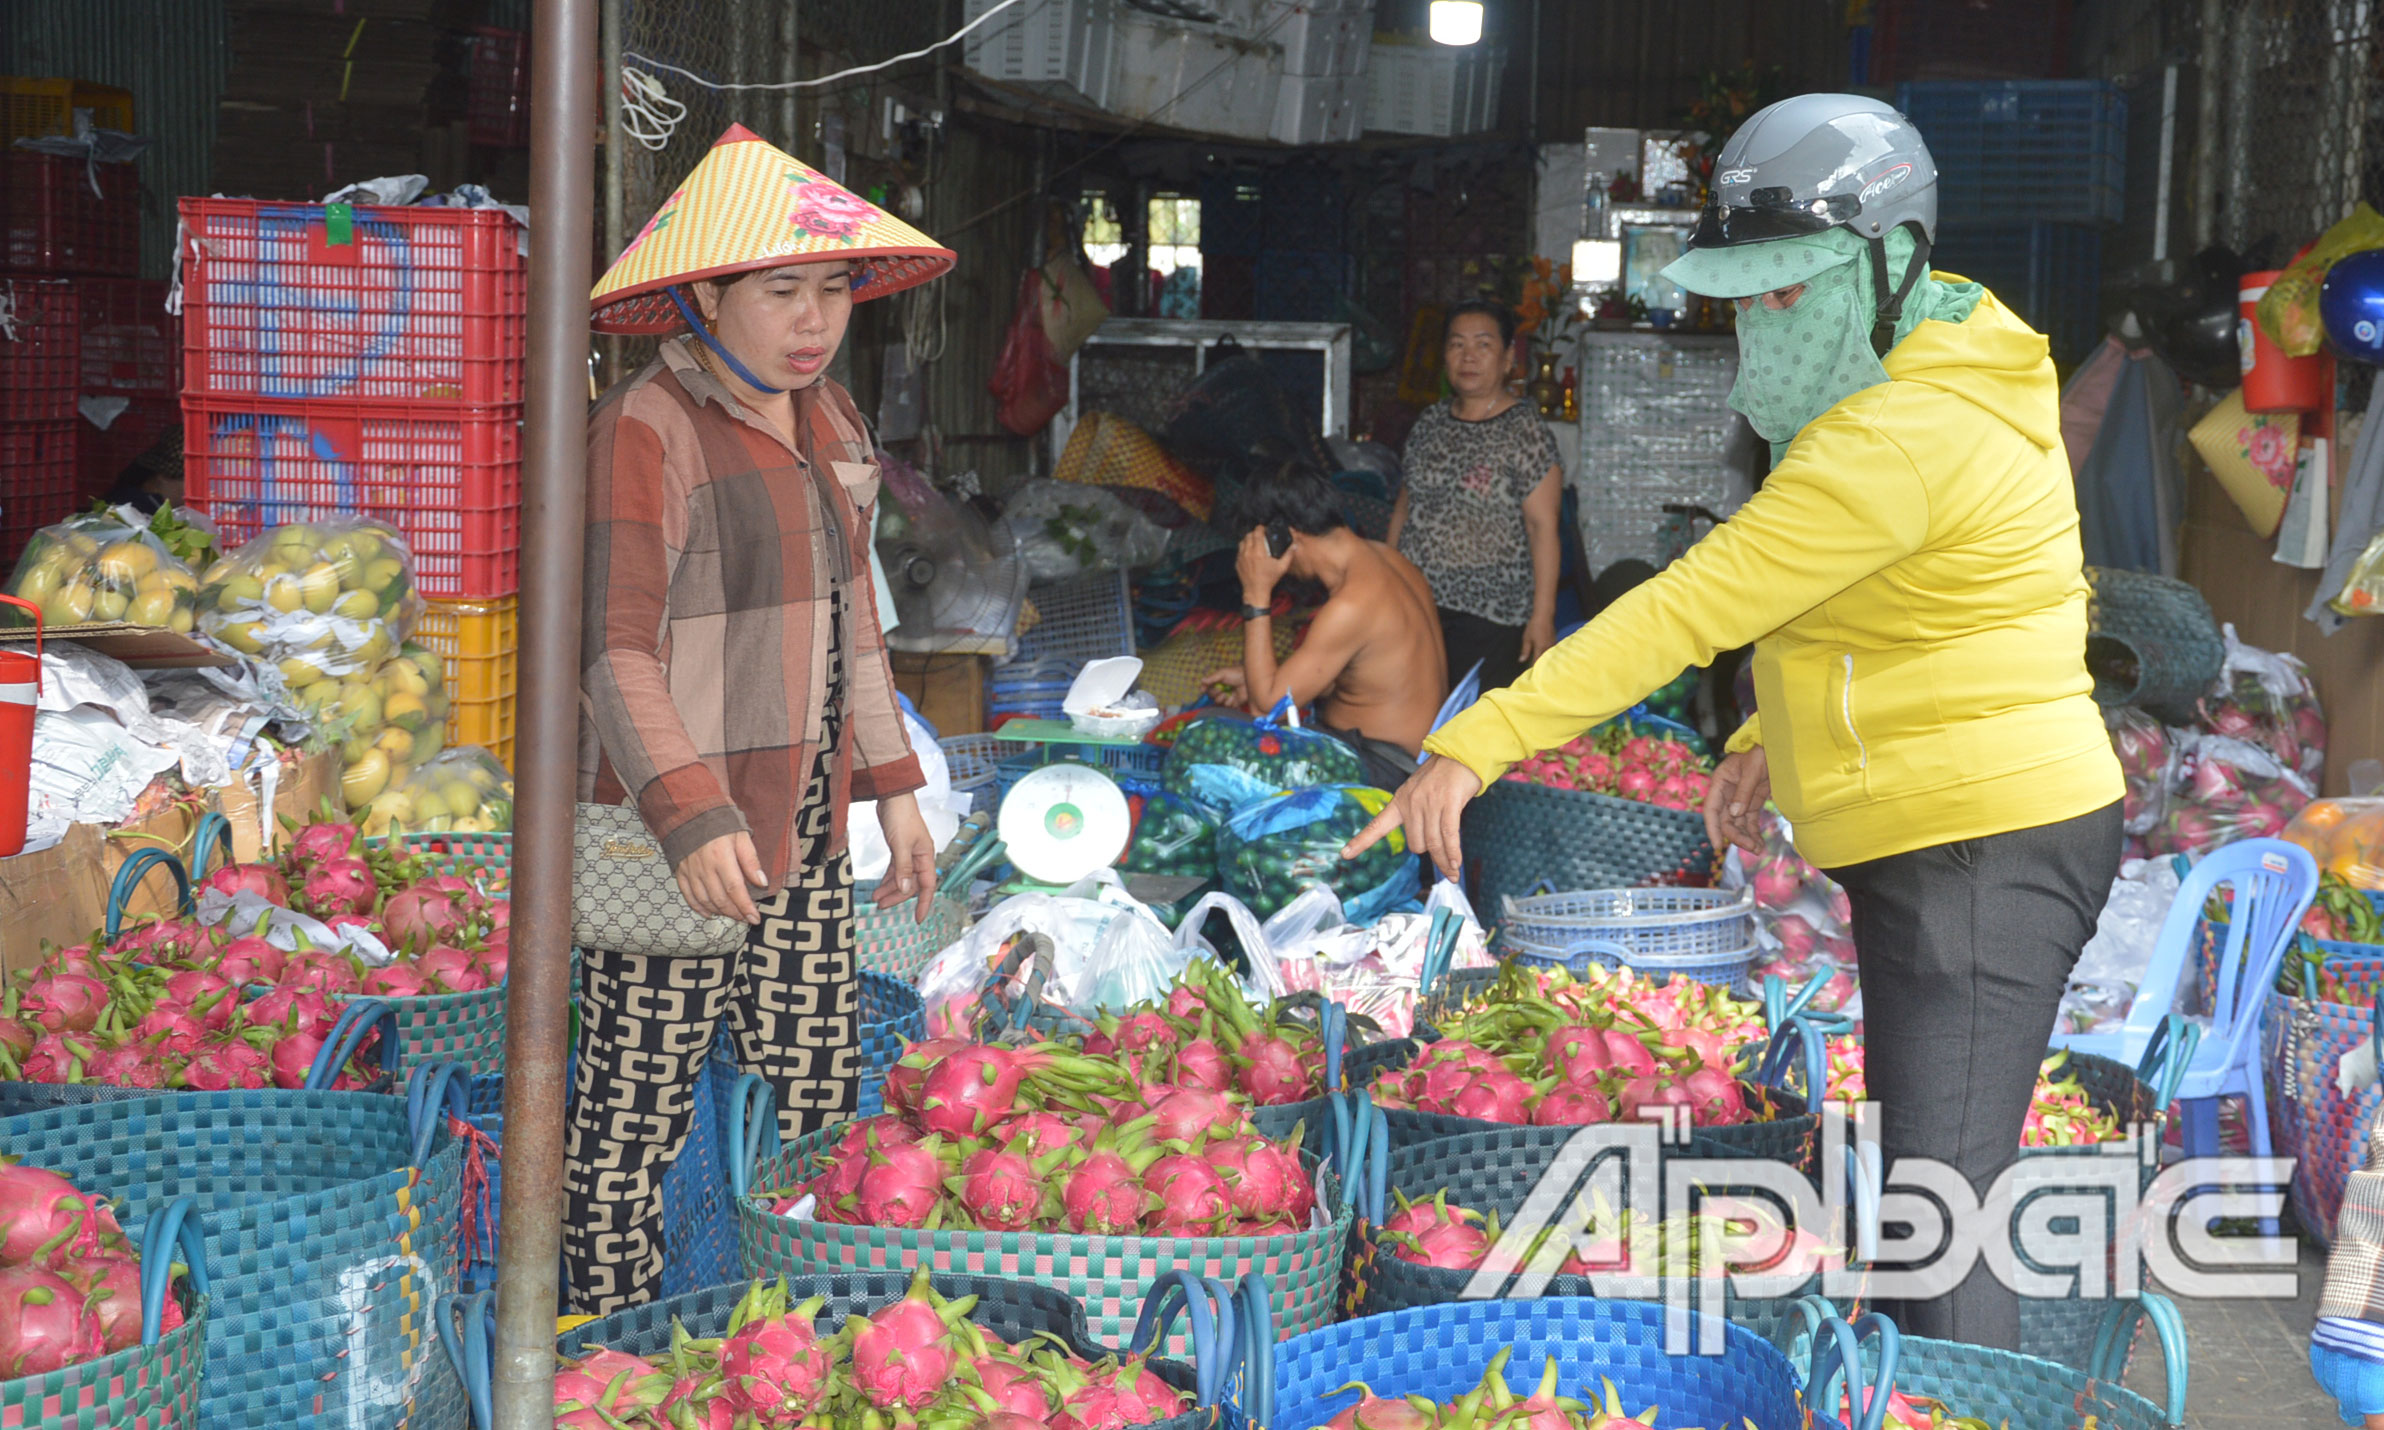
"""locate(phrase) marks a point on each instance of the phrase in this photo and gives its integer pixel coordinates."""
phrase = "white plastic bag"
(942, 809)
(1064, 529)
(1264, 983)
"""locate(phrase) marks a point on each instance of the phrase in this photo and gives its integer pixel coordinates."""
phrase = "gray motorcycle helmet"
(1819, 162)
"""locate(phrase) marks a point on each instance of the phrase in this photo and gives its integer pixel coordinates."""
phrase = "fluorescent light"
(1597, 261)
(1457, 22)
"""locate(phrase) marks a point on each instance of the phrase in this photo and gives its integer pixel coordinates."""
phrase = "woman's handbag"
(624, 898)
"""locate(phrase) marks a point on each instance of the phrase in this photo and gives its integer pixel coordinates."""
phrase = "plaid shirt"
(2355, 1268)
(713, 547)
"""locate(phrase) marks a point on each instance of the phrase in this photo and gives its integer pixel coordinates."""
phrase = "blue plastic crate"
(2049, 273)
(2007, 150)
(1301, 286)
(1088, 617)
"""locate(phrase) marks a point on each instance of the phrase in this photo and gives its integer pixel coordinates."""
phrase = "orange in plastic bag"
(2346, 837)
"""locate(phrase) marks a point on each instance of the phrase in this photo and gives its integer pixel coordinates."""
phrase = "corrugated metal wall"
(172, 55)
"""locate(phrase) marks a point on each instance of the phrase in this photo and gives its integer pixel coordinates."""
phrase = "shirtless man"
(1372, 661)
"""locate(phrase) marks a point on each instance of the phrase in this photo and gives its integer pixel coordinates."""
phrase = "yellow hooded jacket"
(1911, 578)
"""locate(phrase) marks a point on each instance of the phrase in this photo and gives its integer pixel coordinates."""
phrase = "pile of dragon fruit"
(1550, 1049)
(70, 1281)
(1494, 1405)
(919, 1361)
(1652, 769)
(2062, 1113)
(1456, 1238)
(1046, 1138)
(1920, 1412)
(1803, 919)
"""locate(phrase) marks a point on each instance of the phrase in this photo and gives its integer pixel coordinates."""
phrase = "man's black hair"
(1296, 494)
(1498, 313)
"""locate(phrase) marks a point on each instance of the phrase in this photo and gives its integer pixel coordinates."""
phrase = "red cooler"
(2273, 382)
(20, 691)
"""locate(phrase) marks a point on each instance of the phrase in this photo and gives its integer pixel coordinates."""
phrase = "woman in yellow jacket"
(1910, 576)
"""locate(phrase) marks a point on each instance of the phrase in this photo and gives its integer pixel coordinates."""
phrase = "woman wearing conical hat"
(734, 681)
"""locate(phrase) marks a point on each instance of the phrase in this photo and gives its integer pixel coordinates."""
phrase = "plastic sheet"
(2266, 698)
(106, 567)
(462, 791)
(2147, 753)
(1065, 529)
(2111, 967)
(2224, 790)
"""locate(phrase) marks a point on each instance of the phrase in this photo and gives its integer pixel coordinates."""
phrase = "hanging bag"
(624, 897)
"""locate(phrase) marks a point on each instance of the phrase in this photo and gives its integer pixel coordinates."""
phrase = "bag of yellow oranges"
(459, 791)
(2346, 837)
(324, 599)
(102, 567)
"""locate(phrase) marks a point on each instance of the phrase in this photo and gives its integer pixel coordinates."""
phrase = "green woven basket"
(1519, 836)
(137, 1388)
(2027, 1392)
(2150, 642)
(1108, 1275)
(893, 941)
(458, 1027)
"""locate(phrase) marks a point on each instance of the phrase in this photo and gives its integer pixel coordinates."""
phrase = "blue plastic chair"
(2273, 884)
(1469, 689)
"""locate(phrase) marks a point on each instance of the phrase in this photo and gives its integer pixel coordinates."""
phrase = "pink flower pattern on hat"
(828, 210)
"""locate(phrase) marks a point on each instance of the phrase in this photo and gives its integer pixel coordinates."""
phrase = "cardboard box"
(56, 895)
(170, 829)
(299, 790)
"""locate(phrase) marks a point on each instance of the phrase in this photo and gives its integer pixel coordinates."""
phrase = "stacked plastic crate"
(67, 230)
(368, 361)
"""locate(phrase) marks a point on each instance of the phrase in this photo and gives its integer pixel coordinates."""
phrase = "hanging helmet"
(1818, 162)
(2352, 305)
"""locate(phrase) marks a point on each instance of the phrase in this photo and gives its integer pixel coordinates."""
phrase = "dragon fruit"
(1455, 1244)
(1650, 1090)
(1187, 1196)
(1001, 1190)
(1037, 1134)
(1187, 1114)
(250, 959)
(1202, 1064)
(904, 1078)
(321, 971)
(321, 843)
(903, 1356)
(903, 1184)
(1015, 1389)
(339, 886)
(421, 918)
(45, 1324)
(1270, 1072)
(65, 1002)
(57, 1058)
(16, 1037)
(1716, 1100)
(294, 1009)
(1493, 1097)
(1570, 1106)
(971, 1091)
(1104, 1191)
(776, 1364)
(44, 1221)
(222, 1066)
(111, 1287)
(451, 967)
(1374, 1413)
(128, 1065)
(261, 880)
(396, 980)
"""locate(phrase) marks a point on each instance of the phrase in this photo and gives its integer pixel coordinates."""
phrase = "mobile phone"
(1278, 538)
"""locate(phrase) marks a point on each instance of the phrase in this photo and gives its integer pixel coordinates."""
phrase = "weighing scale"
(1059, 824)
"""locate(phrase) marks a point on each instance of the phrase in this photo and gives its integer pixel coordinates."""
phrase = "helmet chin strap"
(1891, 305)
(744, 374)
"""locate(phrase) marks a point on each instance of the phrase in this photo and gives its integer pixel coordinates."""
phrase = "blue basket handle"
(357, 1020)
(752, 1124)
(1585, 953)
(1258, 1350)
(1774, 1066)
(175, 1229)
(434, 1093)
(2109, 1361)
(1216, 1337)
(1837, 1355)
(1440, 949)
(1863, 1176)
(1360, 1153)
(1335, 1026)
(468, 1350)
(128, 878)
(2167, 1056)
(981, 854)
(1545, 886)
(1778, 1007)
(213, 830)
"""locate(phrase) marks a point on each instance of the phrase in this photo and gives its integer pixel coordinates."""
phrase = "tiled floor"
(2249, 1363)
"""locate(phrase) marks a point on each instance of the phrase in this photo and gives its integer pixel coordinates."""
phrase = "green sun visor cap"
(1747, 269)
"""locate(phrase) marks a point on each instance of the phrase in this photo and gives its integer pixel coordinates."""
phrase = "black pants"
(1965, 950)
(1387, 766)
(1468, 638)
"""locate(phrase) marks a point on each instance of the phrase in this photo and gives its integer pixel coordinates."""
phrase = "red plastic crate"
(40, 350)
(131, 344)
(497, 95)
(100, 455)
(37, 483)
(52, 223)
(414, 305)
(448, 479)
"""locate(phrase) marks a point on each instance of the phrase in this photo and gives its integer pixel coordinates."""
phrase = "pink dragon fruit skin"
(322, 843)
(1271, 1073)
(971, 1091)
(1104, 1193)
(904, 1078)
(1494, 1097)
(1000, 1190)
(340, 886)
(45, 1221)
(66, 1002)
(112, 1286)
(1038, 1133)
(1188, 1113)
(1450, 1245)
(419, 917)
(1201, 1063)
(778, 1367)
(1570, 1106)
(263, 880)
(1374, 1413)
(902, 1356)
(45, 1324)
(902, 1185)
(1190, 1197)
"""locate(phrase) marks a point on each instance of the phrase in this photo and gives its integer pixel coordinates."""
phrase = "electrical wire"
(919, 54)
(643, 101)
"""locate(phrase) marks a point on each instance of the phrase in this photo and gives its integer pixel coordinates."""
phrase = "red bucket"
(20, 691)
(2273, 382)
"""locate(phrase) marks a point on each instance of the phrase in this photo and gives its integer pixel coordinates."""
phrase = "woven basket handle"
(1863, 1175)
(213, 831)
(1208, 1305)
(1778, 1007)
(128, 878)
(1837, 1354)
(1361, 1153)
(2167, 1056)
(435, 1092)
(2118, 1331)
(468, 1347)
(357, 1020)
(1256, 1354)
(1815, 1048)
(752, 1122)
(171, 1234)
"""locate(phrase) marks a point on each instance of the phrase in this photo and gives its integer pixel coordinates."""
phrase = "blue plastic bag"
(1270, 850)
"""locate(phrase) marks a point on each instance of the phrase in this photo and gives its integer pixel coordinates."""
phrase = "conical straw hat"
(751, 205)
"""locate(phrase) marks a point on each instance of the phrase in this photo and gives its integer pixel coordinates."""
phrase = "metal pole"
(2209, 121)
(554, 495)
(616, 160)
(790, 69)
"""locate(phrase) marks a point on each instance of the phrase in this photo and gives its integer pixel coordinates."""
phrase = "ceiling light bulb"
(1457, 22)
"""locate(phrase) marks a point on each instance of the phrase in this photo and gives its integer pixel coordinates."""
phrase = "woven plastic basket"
(2014, 1389)
(359, 1020)
(1442, 1352)
(891, 1016)
(2151, 642)
(331, 1220)
(152, 1384)
(1732, 969)
(1107, 1274)
(1018, 1312)
(1654, 924)
(1519, 836)
(2329, 1130)
(893, 941)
